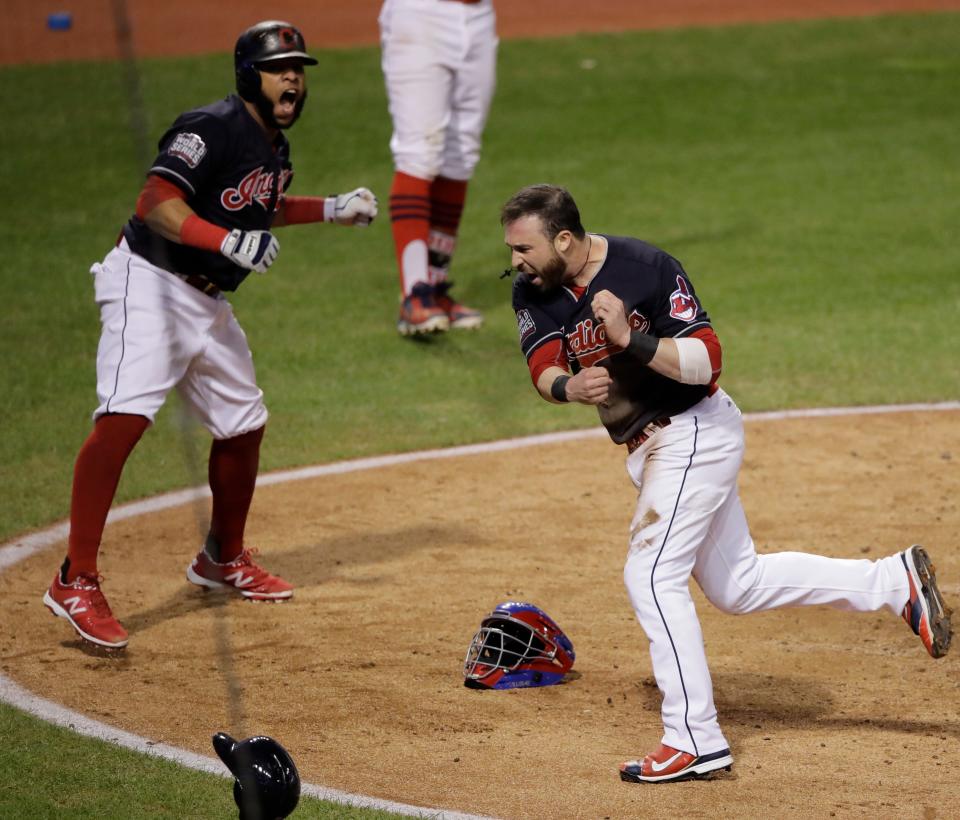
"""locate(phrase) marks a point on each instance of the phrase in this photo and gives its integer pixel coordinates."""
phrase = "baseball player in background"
(615, 322)
(439, 64)
(202, 223)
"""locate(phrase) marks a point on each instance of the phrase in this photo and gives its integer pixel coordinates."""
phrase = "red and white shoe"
(420, 314)
(669, 765)
(925, 611)
(240, 574)
(460, 316)
(82, 603)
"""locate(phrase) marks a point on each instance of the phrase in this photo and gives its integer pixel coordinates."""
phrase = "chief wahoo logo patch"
(683, 305)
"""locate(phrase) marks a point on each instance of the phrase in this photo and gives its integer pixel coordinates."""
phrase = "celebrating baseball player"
(202, 223)
(439, 64)
(615, 322)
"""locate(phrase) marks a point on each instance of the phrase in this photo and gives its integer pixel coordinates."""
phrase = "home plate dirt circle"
(360, 674)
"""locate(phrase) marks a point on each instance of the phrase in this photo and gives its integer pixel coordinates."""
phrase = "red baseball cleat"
(419, 313)
(925, 611)
(82, 603)
(669, 765)
(241, 574)
(460, 316)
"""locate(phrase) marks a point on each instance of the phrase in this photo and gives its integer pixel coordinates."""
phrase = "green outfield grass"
(805, 174)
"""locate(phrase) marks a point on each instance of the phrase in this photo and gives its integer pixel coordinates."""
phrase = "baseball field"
(802, 165)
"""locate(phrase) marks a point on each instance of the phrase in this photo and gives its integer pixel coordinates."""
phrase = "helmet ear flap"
(248, 82)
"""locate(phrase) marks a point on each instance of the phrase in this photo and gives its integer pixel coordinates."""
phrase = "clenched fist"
(252, 250)
(358, 207)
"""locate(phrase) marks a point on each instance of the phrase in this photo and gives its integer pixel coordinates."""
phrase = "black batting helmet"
(261, 43)
(267, 784)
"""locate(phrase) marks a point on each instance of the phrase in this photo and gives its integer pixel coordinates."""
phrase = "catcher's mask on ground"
(518, 645)
(267, 784)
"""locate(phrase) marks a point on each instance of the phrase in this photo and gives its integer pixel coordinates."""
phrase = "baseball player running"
(202, 223)
(439, 64)
(615, 322)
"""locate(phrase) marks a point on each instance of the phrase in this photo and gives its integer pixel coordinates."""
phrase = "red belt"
(201, 283)
(646, 432)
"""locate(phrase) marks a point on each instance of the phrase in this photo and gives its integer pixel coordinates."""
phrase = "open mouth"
(288, 101)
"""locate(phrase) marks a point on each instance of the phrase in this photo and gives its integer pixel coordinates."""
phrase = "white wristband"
(329, 208)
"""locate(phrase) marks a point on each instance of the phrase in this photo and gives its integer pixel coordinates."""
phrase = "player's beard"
(552, 273)
(265, 107)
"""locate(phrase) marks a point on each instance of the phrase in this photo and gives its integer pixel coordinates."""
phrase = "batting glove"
(358, 208)
(253, 250)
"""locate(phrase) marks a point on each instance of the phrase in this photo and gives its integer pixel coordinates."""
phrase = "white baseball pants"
(158, 333)
(439, 66)
(689, 520)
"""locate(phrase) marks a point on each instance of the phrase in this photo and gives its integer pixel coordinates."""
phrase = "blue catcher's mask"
(517, 646)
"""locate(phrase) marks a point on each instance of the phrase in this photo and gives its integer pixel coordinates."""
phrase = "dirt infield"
(187, 27)
(360, 674)
(828, 713)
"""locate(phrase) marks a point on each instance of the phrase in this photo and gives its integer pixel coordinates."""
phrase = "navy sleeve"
(534, 324)
(679, 312)
(191, 152)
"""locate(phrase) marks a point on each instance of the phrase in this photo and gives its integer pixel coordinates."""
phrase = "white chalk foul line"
(20, 548)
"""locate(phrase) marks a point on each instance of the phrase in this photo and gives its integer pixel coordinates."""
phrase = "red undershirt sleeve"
(549, 354)
(298, 210)
(156, 190)
(709, 338)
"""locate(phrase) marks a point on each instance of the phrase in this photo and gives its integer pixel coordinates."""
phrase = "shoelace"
(245, 559)
(91, 583)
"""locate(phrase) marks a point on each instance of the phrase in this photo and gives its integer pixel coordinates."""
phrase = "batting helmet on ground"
(267, 784)
(518, 645)
(262, 43)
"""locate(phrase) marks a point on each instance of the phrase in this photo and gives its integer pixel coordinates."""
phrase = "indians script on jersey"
(557, 327)
(257, 186)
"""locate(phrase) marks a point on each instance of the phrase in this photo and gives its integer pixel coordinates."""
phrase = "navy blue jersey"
(659, 300)
(233, 176)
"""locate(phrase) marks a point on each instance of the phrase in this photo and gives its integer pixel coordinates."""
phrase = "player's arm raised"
(689, 360)
(163, 207)
(357, 207)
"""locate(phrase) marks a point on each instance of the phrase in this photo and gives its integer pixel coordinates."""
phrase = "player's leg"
(738, 580)
(140, 356)
(418, 82)
(471, 95)
(683, 476)
(221, 388)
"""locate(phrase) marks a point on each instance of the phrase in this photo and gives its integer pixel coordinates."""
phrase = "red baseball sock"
(410, 222)
(447, 197)
(95, 478)
(232, 472)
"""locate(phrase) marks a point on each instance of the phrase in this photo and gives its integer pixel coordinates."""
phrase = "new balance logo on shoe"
(241, 574)
(74, 605)
(82, 604)
(237, 579)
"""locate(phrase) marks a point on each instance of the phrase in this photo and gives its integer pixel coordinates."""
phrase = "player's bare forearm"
(590, 386)
(666, 361)
(168, 217)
